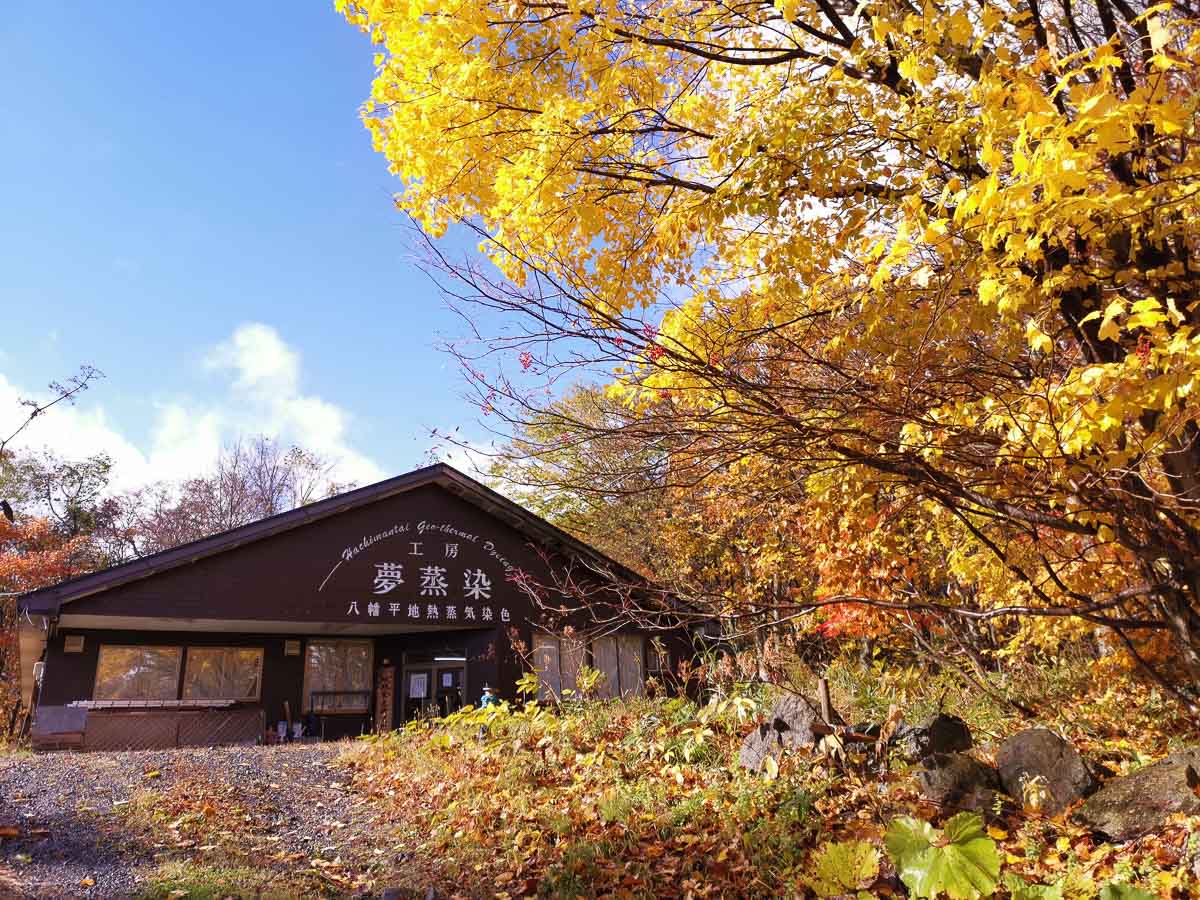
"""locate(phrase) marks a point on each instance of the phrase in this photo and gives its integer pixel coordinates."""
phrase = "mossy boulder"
(1038, 755)
(788, 727)
(1138, 803)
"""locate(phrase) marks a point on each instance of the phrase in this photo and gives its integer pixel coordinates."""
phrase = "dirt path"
(106, 824)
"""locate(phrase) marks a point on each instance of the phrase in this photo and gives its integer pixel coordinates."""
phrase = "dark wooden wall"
(281, 577)
(71, 676)
(303, 576)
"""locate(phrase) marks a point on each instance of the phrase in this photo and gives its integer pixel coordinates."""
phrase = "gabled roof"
(49, 600)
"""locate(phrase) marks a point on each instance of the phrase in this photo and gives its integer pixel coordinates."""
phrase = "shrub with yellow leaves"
(935, 264)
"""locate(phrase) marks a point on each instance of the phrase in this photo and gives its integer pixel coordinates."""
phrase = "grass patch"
(199, 881)
(642, 797)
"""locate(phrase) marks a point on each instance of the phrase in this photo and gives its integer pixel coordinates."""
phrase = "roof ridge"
(49, 599)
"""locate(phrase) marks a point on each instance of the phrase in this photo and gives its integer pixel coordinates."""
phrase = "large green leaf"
(842, 868)
(960, 862)
(1119, 890)
(1020, 889)
(907, 838)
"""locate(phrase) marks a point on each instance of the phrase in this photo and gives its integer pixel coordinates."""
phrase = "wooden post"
(823, 697)
(287, 714)
(35, 698)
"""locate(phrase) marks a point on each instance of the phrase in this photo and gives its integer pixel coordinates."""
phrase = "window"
(223, 673)
(658, 659)
(337, 677)
(557, 659)
(73, 643)
(137, 673)
(622, 660)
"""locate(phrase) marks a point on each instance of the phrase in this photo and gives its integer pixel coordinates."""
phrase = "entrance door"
(449, 686)
(418, 692)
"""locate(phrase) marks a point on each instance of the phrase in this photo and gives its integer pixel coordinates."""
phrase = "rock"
(788, 726)
(941, 734)
(956, 782)
(1136, 804)
(1038, 753)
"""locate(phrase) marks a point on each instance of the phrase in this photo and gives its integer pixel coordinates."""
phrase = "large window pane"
(137, 673)
(337, 676)
(223, 673)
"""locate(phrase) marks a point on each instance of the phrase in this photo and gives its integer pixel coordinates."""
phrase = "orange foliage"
(33, 554)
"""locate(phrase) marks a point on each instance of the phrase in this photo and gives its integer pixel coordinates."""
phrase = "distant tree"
(69, 493)
(608, 494)
(251, 480)
(35, 551)
(61, 392)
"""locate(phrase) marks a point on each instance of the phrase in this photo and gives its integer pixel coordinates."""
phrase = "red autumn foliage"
(33, 554)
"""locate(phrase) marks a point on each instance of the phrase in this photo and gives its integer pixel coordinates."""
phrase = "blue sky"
(191, 205)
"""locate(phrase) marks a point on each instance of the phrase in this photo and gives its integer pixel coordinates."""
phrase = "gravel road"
(65, 828)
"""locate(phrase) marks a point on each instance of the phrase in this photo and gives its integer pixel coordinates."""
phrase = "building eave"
(50, 600)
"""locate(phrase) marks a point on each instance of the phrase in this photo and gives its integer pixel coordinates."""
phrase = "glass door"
(450, 684)
(418, 692)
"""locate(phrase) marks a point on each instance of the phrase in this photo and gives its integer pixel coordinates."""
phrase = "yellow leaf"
(770, 768)
(959, 28)
(1160, 34)
(989, 289)
(1109, 329)
(1038, 340)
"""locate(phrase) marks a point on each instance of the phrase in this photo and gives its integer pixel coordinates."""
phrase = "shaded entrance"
(433, 683)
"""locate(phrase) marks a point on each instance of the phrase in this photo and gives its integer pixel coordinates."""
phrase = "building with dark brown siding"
(352, 614)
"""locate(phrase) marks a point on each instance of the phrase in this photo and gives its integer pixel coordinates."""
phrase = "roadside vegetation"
(646, 798)
(866, 335)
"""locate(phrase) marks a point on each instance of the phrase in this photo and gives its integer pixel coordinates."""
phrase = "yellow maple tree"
(940, 252)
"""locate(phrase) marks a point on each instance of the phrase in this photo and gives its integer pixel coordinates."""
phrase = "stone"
(940, 735)
(1038, 754)
(959, 782)
(1138, 803)
(788, 727)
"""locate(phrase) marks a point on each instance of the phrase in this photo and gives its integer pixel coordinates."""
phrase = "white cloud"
(73, 431)
(266, 388)
(259, 357)
(262, 396)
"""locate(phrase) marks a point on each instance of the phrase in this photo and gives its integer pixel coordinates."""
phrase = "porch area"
(107, 690)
